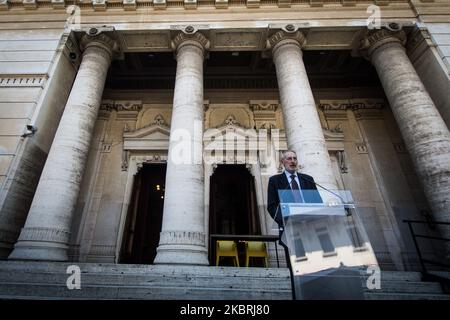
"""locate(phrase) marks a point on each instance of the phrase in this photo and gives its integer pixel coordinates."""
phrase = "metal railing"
(427, 275)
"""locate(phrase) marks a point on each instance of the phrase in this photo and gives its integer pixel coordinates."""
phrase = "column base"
(39, 252)
(178, 254)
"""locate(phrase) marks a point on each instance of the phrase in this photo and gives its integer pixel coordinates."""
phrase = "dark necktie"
(297, 194)
(294, 183)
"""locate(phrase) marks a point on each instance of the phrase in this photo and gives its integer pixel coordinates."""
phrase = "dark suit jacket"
(280, 182)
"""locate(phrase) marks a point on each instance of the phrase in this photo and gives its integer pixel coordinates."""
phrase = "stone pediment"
(230, 132)
(152, 137)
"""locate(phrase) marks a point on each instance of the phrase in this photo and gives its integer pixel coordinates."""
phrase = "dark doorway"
(233, 207)
(144, 218)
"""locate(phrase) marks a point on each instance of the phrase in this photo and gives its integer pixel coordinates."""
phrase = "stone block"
(190, 4)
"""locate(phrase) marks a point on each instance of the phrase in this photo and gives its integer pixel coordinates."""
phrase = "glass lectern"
(328, 246)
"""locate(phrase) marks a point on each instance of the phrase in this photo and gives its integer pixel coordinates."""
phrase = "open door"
(233, 207)
(144, 218)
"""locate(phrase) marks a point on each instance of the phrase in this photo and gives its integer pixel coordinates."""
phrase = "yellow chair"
(255, 249)
(227, 248)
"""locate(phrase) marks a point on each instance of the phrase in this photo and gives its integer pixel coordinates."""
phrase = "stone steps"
(405, 285)
(41, 280)
(110, 281)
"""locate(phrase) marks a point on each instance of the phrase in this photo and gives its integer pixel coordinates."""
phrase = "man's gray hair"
(283, 154)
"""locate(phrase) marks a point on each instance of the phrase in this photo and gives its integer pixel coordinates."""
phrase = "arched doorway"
(144, 217)
(233, 206)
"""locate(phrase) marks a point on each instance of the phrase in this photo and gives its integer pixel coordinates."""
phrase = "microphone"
(333, 193)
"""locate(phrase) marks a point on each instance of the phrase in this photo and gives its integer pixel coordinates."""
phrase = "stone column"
(45, 235)
(304, 132)
(183, 237)
(426, 136)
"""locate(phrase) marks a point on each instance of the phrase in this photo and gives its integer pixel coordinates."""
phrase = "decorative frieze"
(30, 4)
(190, 4)
(23, 80)
(253, 3)
(182, 237)
(159, 4)
(221, 4)
(348, 3)
(316, 3)
(58, 4)
(129, 5)
(99, 5)
(284, 3)
(141, 160)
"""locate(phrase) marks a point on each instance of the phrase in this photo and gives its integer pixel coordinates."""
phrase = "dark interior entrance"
(144, 218)
(233, 207)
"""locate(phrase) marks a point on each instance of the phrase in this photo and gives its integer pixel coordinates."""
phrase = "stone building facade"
(96, 98)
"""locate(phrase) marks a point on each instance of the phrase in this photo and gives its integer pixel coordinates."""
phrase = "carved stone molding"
(282, 37)
(133, 106)
(340, 155)
(98, 39)
(365, 111)
(182, 237)
(194, 38)
(102, 250)
(35, 80)
(379, 38)
(264, 113)
(141, 160)
(230, 120)
(263, 105)
(44, 234)
(125, 159)
(159, 120)
(361, 147)
(334, 106)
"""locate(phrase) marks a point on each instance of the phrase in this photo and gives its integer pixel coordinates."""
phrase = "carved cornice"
(190, 37)
(366, 105)
(101, 5)
(285, 37)
(34, 80)
(376, 39)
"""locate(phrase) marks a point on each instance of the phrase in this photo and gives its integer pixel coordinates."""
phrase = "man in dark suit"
(301, 188)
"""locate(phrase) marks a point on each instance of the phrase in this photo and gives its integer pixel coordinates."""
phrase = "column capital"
(190, 37)
(283, 37)
(376, 39)
(98, 39)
